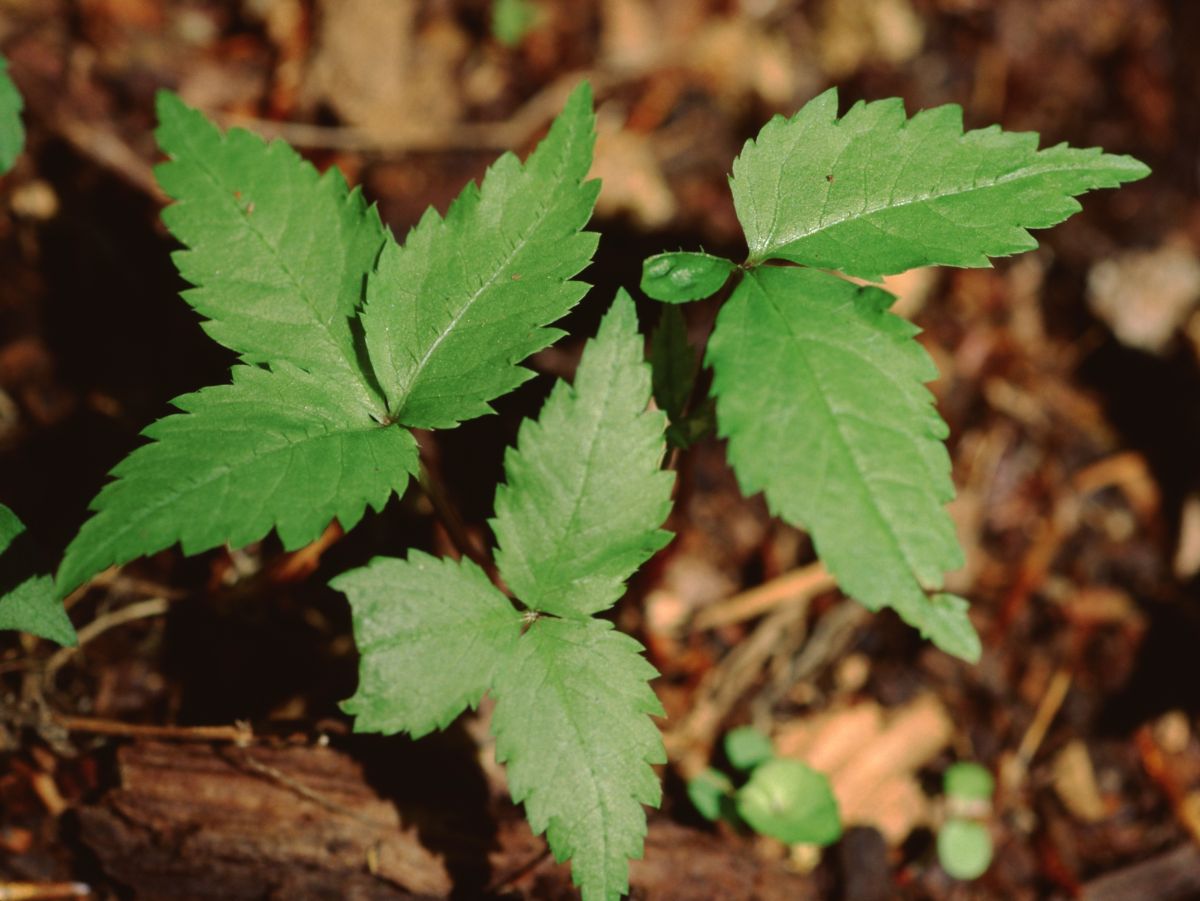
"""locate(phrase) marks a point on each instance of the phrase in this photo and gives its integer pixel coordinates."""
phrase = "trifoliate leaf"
(746, 748)
(279, 254)
(683, 276)
(790, 801)
(572, 721)
(585, 493)
(12, 131)
(451, 313)
(842, 437)
(964, 848)
(874, 193)
(282, 449)
(27, 599)
(430, 633)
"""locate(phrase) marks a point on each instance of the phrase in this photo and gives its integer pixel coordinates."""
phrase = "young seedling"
(12, 131)
(819, 389)
(964, 843)
(780, 797)
(349, 340)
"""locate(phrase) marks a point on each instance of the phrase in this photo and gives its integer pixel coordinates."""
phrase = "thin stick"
(239, 733)
(798, 584)
(100, 625)
(1048, 707)
(452, 520)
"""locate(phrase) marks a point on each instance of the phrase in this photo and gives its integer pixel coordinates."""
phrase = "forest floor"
(193, 747)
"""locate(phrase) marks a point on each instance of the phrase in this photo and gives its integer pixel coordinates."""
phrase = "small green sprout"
(964, 844)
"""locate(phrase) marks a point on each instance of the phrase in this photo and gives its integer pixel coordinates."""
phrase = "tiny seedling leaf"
(585, 493)
(451, 313)
(710, 793)
(790, 801)
(12, 131)
(572, 721)
(746, 748)
(683, 276)
(968, 782)
(842, 436)
(279, 448)
(431, 633)
(512, 20)
(874, 192)
(964, 848)
(27, 599)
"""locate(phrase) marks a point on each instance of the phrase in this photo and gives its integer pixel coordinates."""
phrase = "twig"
(451, 519)
(100, 625)
(239, 733)
(801, 584)
(518, 872)
(43, 891)
(1047, 709)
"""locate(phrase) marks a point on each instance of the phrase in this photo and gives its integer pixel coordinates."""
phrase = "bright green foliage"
(572, 721)
(431, 633)
(280, 256)
(282, 449)
(27, 599)
(746, 748)
(12, 131)
(790, 801)
(581, 511)
(968, 782)
(820, 391)
(585, 494)
(711, 793)
(964, 848)
(874, 193)
(450, 313)
(512, 20)
(680, 277)
(277, 252)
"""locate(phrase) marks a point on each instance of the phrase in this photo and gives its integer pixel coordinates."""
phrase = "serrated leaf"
(12, 130)
(279, 254)
(451, 313)
(283, 449)
(790, 801)
(842, 436)
(684, 276)
(27, 599)
(572, 722)
(947, 625)
(431, 634)
(874, 193)
(585, 494)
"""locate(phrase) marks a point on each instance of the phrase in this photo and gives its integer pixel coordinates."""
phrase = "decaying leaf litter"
(1072, 450)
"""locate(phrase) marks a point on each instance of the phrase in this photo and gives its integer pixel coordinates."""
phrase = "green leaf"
(512, 20)
(710, 793)
(842, 436)
(946, 624)
(683, 276)
(572, 722)
(279, 253)
(968, 782)
(451, 313)
(964, 848)
(12, 131)
(673, 363)
(282, 449)
(431, 634)
(874, 193)
(746, 748)
(585, 493)
(790, 801)
(27, 599)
